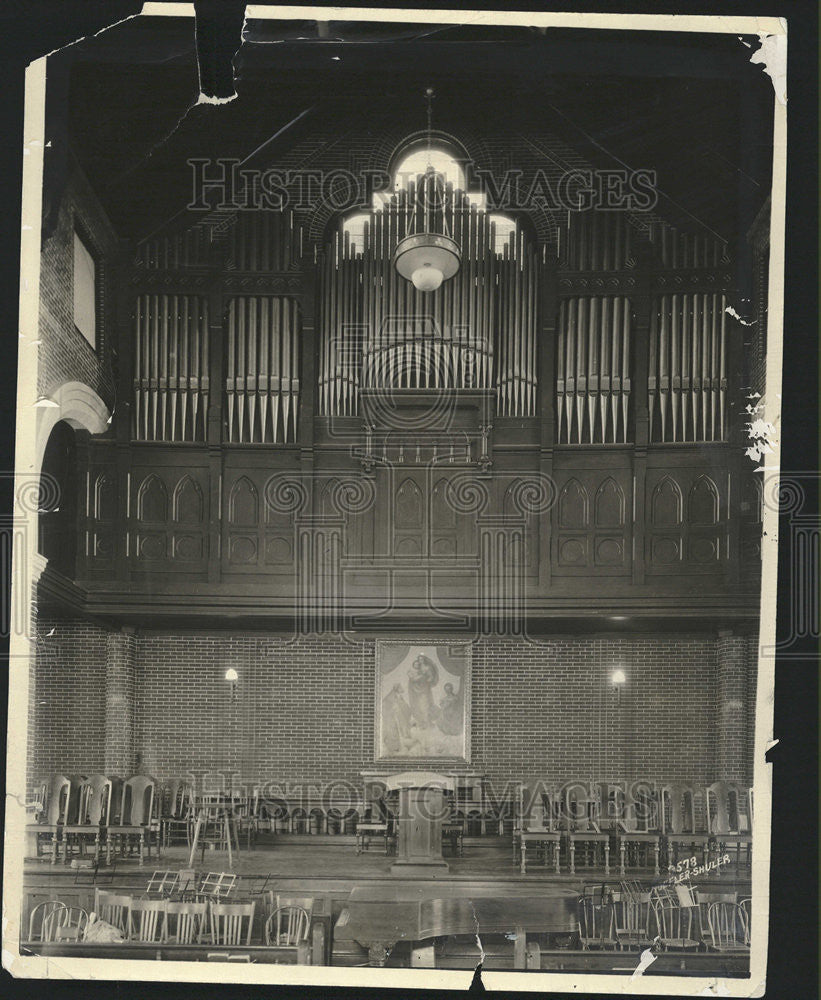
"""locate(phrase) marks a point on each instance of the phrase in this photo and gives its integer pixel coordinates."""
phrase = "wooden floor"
(332, 864)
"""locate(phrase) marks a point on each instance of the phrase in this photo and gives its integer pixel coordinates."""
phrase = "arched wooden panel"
(609, 505)
(702, 505)
(751, 499)
(407, 505)
(573, 505)
(105, 497)
(666, 504)
(442, 512)
(188, 505)
(152, 499)
(408, 547)
(243, 504)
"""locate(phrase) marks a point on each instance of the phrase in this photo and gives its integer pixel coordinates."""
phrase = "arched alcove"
(57, 516)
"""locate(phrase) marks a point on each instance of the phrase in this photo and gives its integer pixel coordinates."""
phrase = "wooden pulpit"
(422, 810)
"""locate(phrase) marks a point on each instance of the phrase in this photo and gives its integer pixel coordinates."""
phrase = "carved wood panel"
(591, 528)
(687, 529)
(169, 526)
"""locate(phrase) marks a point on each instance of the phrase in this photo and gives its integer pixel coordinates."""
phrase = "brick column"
(732, 755)
(119, 703)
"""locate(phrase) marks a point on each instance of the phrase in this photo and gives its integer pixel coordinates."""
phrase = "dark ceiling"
(692, 107)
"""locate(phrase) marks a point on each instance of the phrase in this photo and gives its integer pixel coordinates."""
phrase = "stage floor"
(332, 864)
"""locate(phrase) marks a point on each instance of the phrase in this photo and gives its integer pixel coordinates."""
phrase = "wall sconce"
(618, 679)
(232, 677)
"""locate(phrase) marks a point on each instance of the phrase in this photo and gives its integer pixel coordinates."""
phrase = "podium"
(422, 810)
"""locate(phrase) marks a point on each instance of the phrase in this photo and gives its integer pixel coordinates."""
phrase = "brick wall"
(67, 699)
(64, 354)
(303, 710)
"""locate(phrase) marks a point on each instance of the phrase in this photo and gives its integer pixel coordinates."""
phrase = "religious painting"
(422, 701)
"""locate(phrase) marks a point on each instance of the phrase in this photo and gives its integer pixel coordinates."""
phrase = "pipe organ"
(262, 374)
(254, 241)
(477, 331)
(678, 249)
(171, 383)
(597, 241)
(687, 374)
(593, 370)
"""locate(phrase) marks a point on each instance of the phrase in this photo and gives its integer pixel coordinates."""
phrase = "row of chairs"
(119, 816)
(111, 814)
(592, 819)
(667, 917)
(166, 921)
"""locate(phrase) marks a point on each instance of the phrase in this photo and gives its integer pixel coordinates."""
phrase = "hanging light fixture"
(427, 259)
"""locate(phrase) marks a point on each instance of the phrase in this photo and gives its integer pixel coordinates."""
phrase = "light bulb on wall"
(618, 677)
(232, 677)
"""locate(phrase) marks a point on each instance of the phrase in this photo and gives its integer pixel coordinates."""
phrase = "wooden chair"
(677, 813)
(535, 823)
(675, 923)
(177, 813)
(631, 916)
(728, 927)
(43, 920)
(377, 825)
(70, 924)
(287, 926)
(580, 809)
(247, 813)
(94, 815)
(726, 820)
(62, 802)
(596, 920)
(704, 900)
(136, 819)
(112, 908)
(231, 923)
(185, 923)
(746, 905)
(146, 920)
(638, 829)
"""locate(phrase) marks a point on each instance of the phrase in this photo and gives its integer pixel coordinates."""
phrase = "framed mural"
(422, 706)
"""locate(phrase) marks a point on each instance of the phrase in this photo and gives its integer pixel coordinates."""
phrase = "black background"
(31, 29)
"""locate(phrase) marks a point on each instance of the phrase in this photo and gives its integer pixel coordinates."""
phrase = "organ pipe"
(477, 331)
(262, 376)
(171, 367)
(593, 370)
(687, 376)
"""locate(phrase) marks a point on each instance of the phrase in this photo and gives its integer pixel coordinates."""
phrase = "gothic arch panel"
(609, 505)
(152, 499)
(702, 504)
(573, 505)
(105, 497)
(243, 504)
(407, 505)
(666, 503)
(188, 505)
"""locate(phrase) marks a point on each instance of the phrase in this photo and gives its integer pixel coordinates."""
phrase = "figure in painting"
(422, 679)
(396, 721)
(450, 712)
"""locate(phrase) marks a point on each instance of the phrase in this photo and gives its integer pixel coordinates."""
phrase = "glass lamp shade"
(427, 259)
